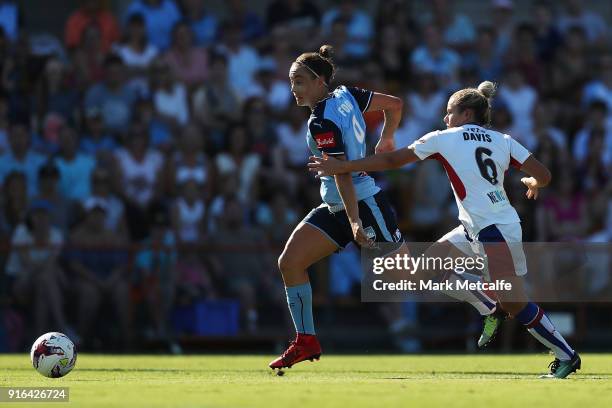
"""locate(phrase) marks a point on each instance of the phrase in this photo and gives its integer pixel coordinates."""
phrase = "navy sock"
(539, 326)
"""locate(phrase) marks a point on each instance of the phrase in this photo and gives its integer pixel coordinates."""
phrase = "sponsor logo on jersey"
(497, 196)
(325, 140)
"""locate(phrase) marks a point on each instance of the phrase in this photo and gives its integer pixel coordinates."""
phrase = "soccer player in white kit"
(475, 159)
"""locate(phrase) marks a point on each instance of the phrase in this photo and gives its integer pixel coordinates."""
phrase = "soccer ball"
(53, 355)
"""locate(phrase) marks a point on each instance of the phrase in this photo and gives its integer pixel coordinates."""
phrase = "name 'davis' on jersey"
(480, 137)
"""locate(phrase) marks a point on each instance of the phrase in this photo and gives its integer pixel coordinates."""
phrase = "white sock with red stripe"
(540, 327)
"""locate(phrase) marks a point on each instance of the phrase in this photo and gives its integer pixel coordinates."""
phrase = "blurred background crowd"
(152, 158)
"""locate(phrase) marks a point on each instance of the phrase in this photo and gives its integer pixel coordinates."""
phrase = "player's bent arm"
(391, 107)
(537, 170)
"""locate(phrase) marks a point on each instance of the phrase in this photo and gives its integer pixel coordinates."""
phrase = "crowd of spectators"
(143, 138)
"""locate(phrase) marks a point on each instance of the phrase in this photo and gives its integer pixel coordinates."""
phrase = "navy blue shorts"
(377, 217)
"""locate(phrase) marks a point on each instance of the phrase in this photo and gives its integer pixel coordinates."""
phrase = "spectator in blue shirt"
(21, 158)
(433, 57)
(75, 168)
(160, 16)
(112, 97)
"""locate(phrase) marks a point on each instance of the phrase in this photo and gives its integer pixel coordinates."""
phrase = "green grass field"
(335, 381)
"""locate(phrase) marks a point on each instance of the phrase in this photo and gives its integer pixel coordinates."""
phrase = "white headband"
(311, 70)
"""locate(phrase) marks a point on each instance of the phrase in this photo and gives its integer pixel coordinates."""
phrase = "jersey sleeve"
(518, 152)
(362, 96)
(426, 145)
(327, 136)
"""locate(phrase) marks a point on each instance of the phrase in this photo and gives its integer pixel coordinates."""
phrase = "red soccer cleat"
(304, 347)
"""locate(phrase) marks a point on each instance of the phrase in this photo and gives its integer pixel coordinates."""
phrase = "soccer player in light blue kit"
(353, 208)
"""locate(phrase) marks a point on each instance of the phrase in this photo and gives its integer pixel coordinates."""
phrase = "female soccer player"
(354, 208)
(475, 159)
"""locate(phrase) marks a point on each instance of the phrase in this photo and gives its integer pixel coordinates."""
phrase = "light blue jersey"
(336, 127)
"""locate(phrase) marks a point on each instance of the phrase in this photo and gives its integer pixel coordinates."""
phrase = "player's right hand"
(361, 237)
(325, 166)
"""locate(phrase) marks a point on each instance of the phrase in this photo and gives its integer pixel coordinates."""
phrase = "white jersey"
(475, 160)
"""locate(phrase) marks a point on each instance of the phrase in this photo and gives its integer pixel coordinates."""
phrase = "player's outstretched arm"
(392, 109)
(540, 176)
(329, 166)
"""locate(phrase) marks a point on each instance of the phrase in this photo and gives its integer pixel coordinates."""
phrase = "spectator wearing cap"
(203, 24)
(92, 12)
(37, 280)
(99, 261)
(112, 97)
(75, 168)
(96, 141)
(48, 190)
(159, 16)
(188, 62)
(21, 157)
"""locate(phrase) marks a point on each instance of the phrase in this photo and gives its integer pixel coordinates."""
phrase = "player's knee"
(287, 263)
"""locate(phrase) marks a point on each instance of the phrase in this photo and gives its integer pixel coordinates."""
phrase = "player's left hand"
(532, 189)
(325, 166)
(384, 145)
